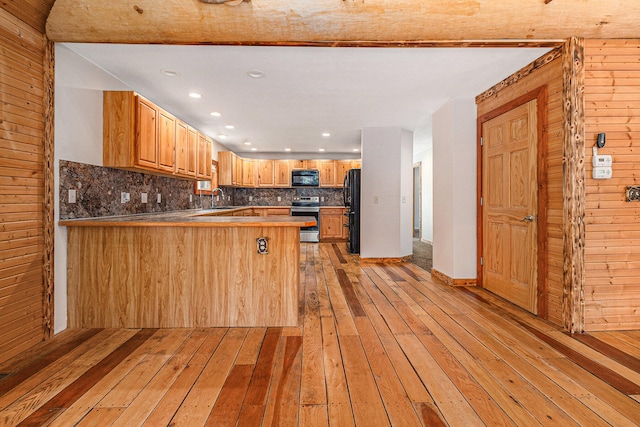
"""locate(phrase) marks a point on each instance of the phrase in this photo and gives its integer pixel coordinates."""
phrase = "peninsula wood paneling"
(22, 56)
(612, 258)
(549, 75)
(154, 277)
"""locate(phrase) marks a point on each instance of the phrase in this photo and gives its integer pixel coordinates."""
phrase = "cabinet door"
(208, 157)
(192, 151)
(284, 211)
(327, 173)
(182, 148)
(331, 223)
(236, 171)
(201, 164)
(166, 141)
(266, 173)
(312, 164)
(342, 166)
(282, 174)
(226, 164)
(248, 178)
(146, 135)
(298, 164)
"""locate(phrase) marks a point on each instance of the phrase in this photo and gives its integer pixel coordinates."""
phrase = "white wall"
(425, 158)
(454, 189)
(386, 208)
(78, 138)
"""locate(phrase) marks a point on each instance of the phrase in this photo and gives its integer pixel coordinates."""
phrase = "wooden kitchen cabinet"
(182, 149)
(192, 144)
(331, 220)
(228, 168)
(305, 164)
(138, 135)
(166, 141)
(145, 140)
(342, 166)
(282, 173)
(248, 173)
(273, 173)
(203, 168)
(327, 173)
(266, 173)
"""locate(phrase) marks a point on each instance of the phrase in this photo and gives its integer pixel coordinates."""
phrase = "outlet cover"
(159, 198)
(143, 197)
(72, 196)
(124, 197)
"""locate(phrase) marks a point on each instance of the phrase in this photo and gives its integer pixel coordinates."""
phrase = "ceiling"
(305, 91)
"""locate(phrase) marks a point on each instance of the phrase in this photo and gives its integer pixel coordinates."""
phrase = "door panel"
(509, 185)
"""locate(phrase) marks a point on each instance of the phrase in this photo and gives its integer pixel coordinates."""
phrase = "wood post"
(574, 195)
(48, 221)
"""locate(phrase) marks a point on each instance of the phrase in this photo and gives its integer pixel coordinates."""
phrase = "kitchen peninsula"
(202, 268)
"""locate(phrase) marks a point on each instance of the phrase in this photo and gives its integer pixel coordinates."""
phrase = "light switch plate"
(143, 197)
(124, 197)
(159, 198)
(72, 196)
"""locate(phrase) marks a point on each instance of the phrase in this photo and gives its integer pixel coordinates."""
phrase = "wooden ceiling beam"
(339, 21)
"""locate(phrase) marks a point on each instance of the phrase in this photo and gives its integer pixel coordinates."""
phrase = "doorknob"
(528, 218)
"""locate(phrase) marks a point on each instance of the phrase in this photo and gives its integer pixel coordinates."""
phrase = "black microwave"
(305, 178)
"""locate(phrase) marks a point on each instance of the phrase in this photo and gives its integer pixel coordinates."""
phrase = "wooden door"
(146, 135)
(192, 151)
(510, 211)
(342, 166)
(328, 173)
(166, 141)
(182, 148)
(265, 173)
(282, 173)
(248, 173)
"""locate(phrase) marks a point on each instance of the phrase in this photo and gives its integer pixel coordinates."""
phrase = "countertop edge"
(197, 218)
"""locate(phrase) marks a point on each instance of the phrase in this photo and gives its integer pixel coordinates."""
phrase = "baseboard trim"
(451, 281)
(397, 260)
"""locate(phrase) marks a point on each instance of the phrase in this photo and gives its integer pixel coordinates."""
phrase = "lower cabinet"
(331, 224)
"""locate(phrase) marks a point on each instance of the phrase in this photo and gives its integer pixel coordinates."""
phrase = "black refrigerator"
(351, 196)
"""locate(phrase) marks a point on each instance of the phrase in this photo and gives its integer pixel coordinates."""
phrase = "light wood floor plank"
(376, 344)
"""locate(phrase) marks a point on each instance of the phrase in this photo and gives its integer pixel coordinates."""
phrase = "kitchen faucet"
(212, 197)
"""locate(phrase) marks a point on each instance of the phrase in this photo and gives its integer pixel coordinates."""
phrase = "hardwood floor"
(376, 345)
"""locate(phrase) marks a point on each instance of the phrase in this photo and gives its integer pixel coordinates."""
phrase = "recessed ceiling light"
(215, 114)
(230, 127)
(321, 149)
(222, 136)
(195, 95)
(287, 149)
(356, 149)
(326, 134)
(254, 149)
(247, 143)
(256, 74)
(170, 73)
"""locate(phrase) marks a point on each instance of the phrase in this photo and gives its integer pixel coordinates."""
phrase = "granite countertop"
(192, 218)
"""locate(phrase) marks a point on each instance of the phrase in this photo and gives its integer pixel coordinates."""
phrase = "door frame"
(418, 166)
(539, 94)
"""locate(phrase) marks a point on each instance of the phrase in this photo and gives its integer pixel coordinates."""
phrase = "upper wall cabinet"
(139, 135)
(235, 170)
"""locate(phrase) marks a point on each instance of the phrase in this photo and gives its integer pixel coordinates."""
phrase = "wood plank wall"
(22, 112)
(521, 83)
(612, 259)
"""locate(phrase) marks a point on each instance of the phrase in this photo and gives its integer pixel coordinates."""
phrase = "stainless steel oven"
(307, 206)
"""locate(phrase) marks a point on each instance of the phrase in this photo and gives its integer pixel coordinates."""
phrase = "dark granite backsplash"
(98, 193)
(269, 196)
